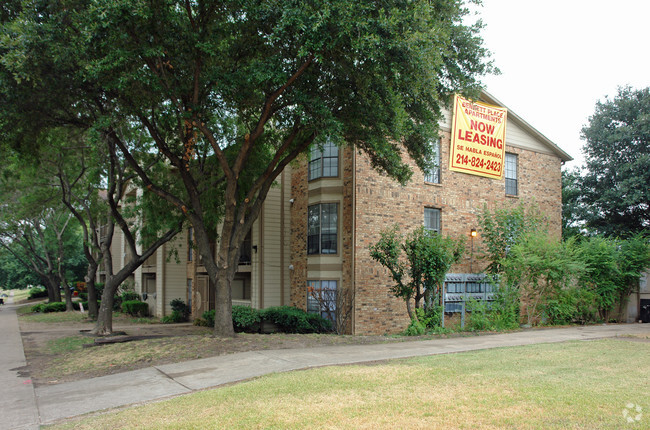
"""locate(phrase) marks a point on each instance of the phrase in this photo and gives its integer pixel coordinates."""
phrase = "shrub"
(83, 295)
(320, 324)
(208, 317)
(53, 307)
(181, 308)
(135, 308)
(38, 308)
(430, 317)
(291, 320)
(244, 319)
(37, 292)
(415, 328)
(200, 322)
(572, 305)
(128, 296)
(480, 316)
(174, 318)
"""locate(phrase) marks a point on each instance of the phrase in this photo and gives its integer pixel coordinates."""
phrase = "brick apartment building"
(317, 225)
(353, 203)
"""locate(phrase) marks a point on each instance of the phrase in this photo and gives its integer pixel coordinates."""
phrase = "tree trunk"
(104, 324)
(223, 325)
(92, 292)
(412, 315)
(68, 297)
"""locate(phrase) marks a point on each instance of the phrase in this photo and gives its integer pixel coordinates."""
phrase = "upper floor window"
(433, 175)
(511, 174)
(324, 163)
(322, 228)
(432, 219)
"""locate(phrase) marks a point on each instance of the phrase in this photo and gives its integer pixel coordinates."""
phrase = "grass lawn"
(568, 385)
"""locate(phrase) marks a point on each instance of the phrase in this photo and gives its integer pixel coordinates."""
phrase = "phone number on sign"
(480, 163)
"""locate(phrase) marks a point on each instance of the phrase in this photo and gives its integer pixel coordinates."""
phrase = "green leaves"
(426, 259)
(615, 191)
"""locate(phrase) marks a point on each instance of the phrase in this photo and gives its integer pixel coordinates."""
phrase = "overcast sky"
(558, 58)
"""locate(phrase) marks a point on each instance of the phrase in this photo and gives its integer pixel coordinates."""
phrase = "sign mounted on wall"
(478, 138)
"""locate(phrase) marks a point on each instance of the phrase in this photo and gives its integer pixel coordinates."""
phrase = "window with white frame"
(433, 175)
(322, 228)
(432, 219)
(321, 298)
(511, 174)
(324, 163)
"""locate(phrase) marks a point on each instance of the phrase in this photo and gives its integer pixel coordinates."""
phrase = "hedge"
(135, 308)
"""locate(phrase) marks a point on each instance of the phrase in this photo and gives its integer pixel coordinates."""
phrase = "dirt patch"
(55, 352)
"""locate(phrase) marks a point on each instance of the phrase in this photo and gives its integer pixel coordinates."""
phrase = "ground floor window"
(321, 298)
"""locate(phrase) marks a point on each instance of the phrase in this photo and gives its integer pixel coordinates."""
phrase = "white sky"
(558, 58)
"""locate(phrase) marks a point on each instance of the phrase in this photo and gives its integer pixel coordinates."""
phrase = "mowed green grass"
(568, 385)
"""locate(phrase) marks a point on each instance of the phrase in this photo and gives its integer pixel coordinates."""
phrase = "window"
(433, 175)
(511, 174)
(190, 244)
(321, 298)
(432, 219)
(322, 226)
(324, 163)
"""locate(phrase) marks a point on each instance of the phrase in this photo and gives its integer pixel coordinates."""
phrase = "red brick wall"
(382, 202)
(299, 192)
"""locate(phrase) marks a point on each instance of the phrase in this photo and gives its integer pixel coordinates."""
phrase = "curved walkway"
(30, 407)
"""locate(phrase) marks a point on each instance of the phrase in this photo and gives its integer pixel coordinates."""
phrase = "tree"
(230, 93)
(35, 230)
(540, 267)
(504, 228)
(420, 272)
(615, 187)
(572, 208)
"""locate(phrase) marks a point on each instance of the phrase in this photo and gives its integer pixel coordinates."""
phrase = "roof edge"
(564, 156)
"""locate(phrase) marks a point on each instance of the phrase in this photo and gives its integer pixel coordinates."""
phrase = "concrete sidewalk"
(55, 402)
(18, 403)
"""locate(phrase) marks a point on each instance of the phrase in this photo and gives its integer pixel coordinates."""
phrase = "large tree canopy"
(616, 195)
(231, 92)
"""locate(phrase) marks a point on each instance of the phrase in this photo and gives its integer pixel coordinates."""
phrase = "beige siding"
(172, 258)
(271, 248)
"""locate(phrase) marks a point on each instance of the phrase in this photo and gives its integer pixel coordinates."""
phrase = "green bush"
(292, 320)
(135, 308)
(174, 318)
(52, 307)
(320, 324)
(288, 320)
(181, 308)
(415, 328)
(208, 317)
(38, 308)
(245, 319)
(572, 305)
(83, 296)
(480, 318)
(37, 292)
(128, 296)
(200, 322)
(430, 318)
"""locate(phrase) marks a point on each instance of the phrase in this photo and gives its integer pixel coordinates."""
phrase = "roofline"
(564, 156)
